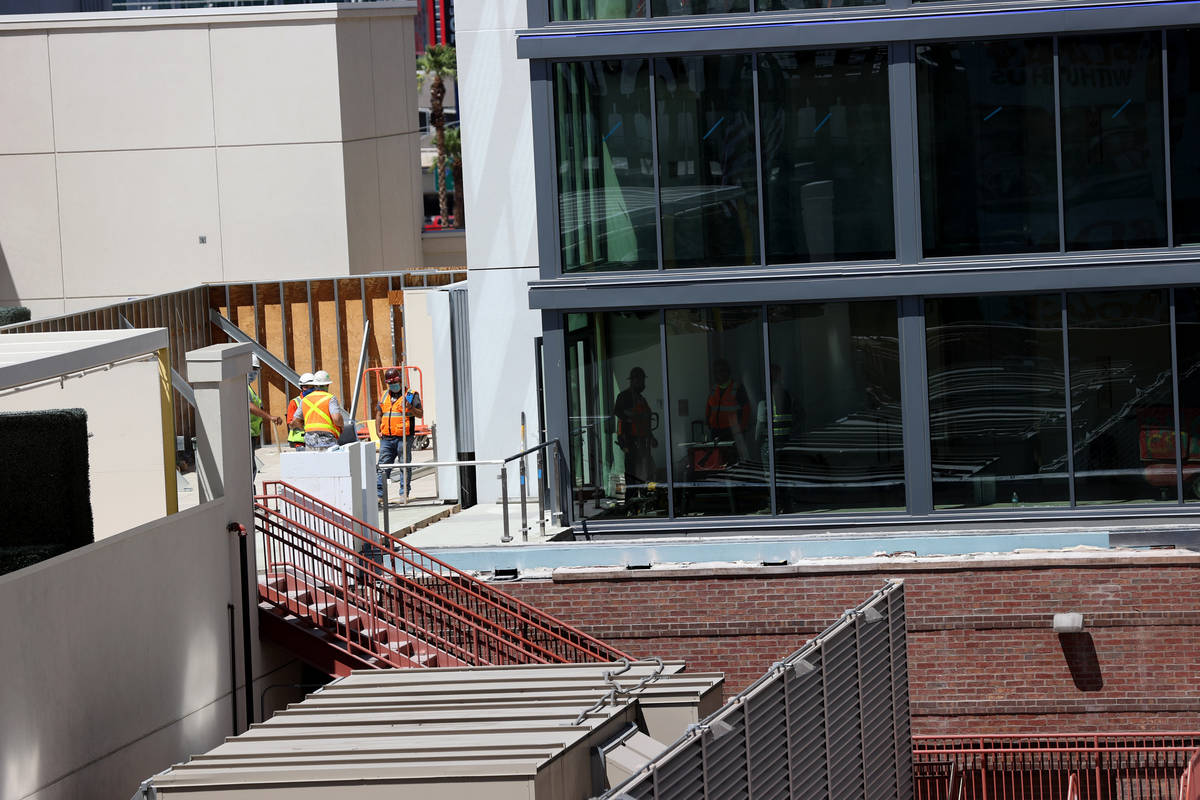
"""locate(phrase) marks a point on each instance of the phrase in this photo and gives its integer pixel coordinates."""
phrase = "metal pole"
(387, 528)
(247, 652)
(541, 479)
(524, 487)
(507, 537)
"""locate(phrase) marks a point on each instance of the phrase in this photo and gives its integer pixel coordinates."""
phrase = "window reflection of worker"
(319, 415)
(728, 408)
(779, 418)
(634, 437)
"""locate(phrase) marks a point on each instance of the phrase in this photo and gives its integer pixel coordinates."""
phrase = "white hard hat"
(306, 379)
(321, 378)
(253, 361)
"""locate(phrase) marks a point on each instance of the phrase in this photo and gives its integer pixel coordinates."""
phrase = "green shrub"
(43, 485)
(13, 314)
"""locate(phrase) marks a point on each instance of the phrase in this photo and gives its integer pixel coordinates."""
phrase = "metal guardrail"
(1189, 782)
(331, 568)
(1139, 766)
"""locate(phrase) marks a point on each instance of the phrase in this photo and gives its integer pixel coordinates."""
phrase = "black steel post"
(247, 652)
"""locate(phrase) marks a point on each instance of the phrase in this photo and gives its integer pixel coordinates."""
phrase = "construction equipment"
(373, 387)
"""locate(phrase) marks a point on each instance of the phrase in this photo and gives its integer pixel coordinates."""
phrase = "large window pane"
(989, 176)
(1187, 343)
(568, 10)
(1121, 397)
(707, 167)
(826, 155)
(715, 382)
(834, 414)
(997, 405)
(615, 403)
(785, 5)
(1114, 169)
(605, 165)
(1183, 58)
(685, 8)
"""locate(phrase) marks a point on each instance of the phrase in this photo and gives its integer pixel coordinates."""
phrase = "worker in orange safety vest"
(296, 437)
(319, 415)
(728, 409)
(395, 421)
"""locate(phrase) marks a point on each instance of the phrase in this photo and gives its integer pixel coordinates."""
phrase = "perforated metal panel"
(829, 722)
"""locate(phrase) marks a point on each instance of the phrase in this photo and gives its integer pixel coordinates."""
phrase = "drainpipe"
(247, 651)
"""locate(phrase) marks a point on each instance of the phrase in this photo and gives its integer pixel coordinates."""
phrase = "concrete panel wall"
(285, 137)
(125, 444)
(444, 248)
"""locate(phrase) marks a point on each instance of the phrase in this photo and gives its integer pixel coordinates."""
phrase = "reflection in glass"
(1121, 396)
(715, 380)
(568, 10)
(605, 165)
(835, 407)
(1187, 344)
(1114, 168)
(997, 405)
(615, 405)
(787, 5)
(826, 146)
(685, 8)
(706, 153)
(1183, 60)
(989, 174)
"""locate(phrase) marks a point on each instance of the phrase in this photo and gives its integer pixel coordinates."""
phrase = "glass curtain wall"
(833, 414)
(687, 8)
(1187, 344)
(1183, 59)
(607, 215)
(708, 171)
(826, 152)
(570, 10)
(988, 165)
(1121, 396)
(716, 378)
(615, 408)
(997, 401)
(1113, 155)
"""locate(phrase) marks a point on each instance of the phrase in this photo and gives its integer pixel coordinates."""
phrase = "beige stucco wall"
(125, 438)
(445, 248)
(286, 136)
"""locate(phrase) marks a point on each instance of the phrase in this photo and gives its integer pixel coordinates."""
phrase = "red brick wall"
(982, 654)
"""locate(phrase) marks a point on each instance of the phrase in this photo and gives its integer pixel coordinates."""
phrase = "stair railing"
(426, 584)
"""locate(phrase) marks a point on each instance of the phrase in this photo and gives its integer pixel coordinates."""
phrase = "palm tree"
(454, 152)
(438, 62)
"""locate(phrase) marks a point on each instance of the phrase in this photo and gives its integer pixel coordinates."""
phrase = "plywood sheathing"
(326, 330)
(300, 348)
(276, 391)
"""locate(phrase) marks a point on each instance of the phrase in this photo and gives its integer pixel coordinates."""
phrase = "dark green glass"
(687, 8)
(605, 166)
(1187, 345)
(572, 10)
(708, 173)
(1183, 61)
(826, 153)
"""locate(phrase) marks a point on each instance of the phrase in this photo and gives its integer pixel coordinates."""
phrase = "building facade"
(805, 266)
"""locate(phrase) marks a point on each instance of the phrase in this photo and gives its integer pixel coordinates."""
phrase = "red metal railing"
(1189, 781)
(1124, 766)
(1073, 787)
(384, 600)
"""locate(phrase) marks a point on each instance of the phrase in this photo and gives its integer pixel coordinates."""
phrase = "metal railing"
(1189, 781)
(558, 498)
(362, 586)
(1129, 766)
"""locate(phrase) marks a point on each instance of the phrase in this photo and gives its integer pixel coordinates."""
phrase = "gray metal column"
(554, 354)
(902, 100)
(541, 88)
(914, 404)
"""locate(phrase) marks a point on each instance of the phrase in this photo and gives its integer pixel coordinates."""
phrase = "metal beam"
(264, 355)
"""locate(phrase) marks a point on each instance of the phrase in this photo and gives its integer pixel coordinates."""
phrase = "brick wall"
(982, 654)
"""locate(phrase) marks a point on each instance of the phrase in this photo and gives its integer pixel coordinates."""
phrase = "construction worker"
(634, 418)
(257, 415)
(728, 409)
(318, 415)
(296, 437)
(395, 421)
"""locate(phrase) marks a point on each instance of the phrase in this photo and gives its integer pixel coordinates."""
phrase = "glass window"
(707, 165)
(615, 405)
(827, 163)
(1183, 58)
(1114, 167)
(569, 10)
(685, 8)
(989, 174)
(834, 413)
(715, 381)
(605, 165)
(787, 5)
(1187, 344)
(997, 401)
(1121, 396)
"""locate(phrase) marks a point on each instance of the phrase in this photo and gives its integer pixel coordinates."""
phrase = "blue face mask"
(395, 388)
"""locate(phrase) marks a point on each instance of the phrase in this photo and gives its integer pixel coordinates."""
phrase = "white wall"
(125, 444)
(502, 253)
(286, 137)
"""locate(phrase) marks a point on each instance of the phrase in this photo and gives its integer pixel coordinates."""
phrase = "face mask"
(395, 387)
(253, 375)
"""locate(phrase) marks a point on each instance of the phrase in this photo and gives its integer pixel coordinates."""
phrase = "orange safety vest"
(316, 414)
(724, 411)
(293, 435)
(395, 415)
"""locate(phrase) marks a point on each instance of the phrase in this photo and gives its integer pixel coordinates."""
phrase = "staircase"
(345, 595)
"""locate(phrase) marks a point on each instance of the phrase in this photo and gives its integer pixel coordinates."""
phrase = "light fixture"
(1068, 623)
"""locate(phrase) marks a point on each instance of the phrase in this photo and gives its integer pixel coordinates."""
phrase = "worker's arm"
(378, 418)
(335, 413)
(258, 412)
(414, 406)
(296, 423)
